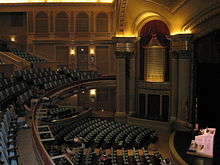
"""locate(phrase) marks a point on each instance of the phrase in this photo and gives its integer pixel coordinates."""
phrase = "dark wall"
(207, 57)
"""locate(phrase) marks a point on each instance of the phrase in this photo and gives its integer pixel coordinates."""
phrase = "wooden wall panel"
(102, 59)
(30, 17)
(51, 22)
(71, 21)
(45, 50)
(62, 55)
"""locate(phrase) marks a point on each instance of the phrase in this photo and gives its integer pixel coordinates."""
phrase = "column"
(120, 113)
(125, 76)
(181, 76)
(132, 85)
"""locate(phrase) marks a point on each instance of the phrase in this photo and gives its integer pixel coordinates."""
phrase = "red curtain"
(154, 27)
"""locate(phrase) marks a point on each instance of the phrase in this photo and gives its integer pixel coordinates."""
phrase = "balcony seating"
(27, 56)
(59, 113)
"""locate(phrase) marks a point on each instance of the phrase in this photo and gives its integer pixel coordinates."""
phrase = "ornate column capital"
(181, 46)
(125, 46)
(180, 37)
(183, 54)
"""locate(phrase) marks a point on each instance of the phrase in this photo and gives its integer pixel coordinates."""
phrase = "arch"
(61, 22)
(102, 22)
(154, 31)
(82, 22)
(41, 22)
(154, 27)
(146, 17)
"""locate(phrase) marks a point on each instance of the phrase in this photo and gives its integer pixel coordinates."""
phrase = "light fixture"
(12, 38)
(92, 92)
(72, 51)
(92, 52)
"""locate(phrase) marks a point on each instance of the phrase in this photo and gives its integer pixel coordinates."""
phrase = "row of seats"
(104, 156)
(113, 157)
(136, 156)
(8, 130)
(59, 113)
(7, 82)
(79, 75)
(60, 131)
(108, 132)
(1, 75)
(54, 84)
(39, 75)
(89, 156)
(45, 80)
(34, 71)
(78, 156)
(27, 56)
(24, 97)
(12, 91)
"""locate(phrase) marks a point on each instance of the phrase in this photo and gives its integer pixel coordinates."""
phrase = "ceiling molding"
(171, 5)
(202, 17)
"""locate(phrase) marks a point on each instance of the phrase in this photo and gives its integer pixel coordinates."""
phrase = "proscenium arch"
(146, 17)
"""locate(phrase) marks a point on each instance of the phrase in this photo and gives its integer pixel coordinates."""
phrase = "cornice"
(180, 37)
(125, 39)
(202, 17)
(54, 4)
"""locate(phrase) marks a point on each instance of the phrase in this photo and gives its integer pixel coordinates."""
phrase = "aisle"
(25, 146)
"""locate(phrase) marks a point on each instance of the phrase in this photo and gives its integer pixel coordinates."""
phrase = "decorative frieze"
(183, 54)
(154, 86)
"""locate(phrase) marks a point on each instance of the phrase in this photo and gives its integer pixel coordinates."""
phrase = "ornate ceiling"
(171, 5)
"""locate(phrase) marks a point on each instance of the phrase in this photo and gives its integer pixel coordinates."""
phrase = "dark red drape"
(154, 27)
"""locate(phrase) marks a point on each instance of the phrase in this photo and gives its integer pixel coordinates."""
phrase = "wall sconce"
(92, 92)
(72, 52)
(92, 52)
(12, 38)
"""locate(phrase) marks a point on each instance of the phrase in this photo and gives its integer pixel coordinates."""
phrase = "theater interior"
(99, 82)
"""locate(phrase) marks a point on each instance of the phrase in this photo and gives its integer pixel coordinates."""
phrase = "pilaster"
(181, 70)
(125, 76)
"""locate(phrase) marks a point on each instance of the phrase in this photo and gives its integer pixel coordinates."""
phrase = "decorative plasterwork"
(202, 17)
(171, 5)
(154, 86)
(184, 54)
(122, 14)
